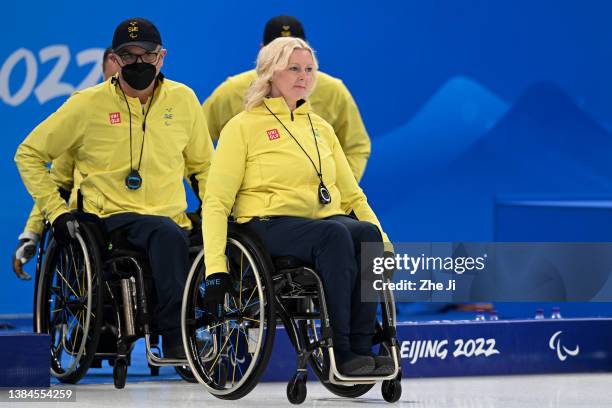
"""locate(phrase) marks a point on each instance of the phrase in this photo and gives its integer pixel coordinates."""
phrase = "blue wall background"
(465, 101)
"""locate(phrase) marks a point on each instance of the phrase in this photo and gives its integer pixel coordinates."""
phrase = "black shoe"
(351, 364)
(383, 365)
(172, 345)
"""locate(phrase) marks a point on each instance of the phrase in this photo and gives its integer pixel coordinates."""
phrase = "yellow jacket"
(330, 99)
(261, 175)
(35, 222)
(63, 175)
(93, 125)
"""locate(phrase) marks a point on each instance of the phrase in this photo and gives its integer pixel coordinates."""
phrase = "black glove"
(217, 285)
(65, 228)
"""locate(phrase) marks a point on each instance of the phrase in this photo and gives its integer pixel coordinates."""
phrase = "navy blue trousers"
(333, 247)
(167, 246)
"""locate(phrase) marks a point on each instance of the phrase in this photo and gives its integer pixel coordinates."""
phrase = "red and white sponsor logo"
(115, 117)
(273, 134)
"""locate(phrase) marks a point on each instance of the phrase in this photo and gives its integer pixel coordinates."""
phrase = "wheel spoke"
(77, 319)
(235, 349)
(215, 326)
(76, 270)
(67, 284)
(74, 334)
(251, 296)
(233, 299)
(56, 315)
(221, 350)
(248, 336)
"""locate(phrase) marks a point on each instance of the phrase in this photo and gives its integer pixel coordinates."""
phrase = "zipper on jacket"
(292, 116)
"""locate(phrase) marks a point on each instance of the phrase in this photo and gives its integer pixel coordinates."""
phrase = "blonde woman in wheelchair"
(280, 171)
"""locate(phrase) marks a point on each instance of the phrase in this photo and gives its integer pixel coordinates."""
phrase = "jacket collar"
(278, 106)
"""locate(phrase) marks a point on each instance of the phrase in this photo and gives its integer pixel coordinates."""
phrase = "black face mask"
(139, 75)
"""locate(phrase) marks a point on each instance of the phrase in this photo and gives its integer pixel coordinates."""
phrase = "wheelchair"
(229, 356)
(94, 297)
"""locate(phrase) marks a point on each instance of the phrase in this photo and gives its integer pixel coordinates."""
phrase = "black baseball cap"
(283, 26)
(136, 31)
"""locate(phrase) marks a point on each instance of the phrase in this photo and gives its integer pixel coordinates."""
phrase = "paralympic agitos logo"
(562, 352)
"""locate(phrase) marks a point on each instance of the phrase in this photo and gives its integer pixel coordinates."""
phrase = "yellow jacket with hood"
(93, 125)
(330, 99)
(260, 171)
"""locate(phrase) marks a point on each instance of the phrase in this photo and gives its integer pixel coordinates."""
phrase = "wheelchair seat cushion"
(121, 247)
(288, 262)
(114, 243)
(297, 268)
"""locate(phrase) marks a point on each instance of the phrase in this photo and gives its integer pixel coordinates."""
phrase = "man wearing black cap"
(330, 99)
(133, 138)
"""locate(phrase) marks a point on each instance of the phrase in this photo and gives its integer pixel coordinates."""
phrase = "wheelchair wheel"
(120, 373)
(69, 305)
(319, 363)
(391, 390)
(228, 357)
(296, 388)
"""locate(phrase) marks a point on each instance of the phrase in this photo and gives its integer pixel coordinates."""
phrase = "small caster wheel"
(154, 370)
(185, 373)
(120, 373)
(296, 389)
(392, 390)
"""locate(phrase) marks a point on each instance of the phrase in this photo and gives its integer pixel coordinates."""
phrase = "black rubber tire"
(120, 373)
(185, 373)
(154, 370)
(391, 390)
(296, 390)
(43, 244)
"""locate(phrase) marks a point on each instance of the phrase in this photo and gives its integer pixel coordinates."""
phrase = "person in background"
(330, 99)
(64, 175)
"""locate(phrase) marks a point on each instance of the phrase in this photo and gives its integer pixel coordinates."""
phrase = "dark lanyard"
(323, 192)
(318, 171)
(133, 181)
